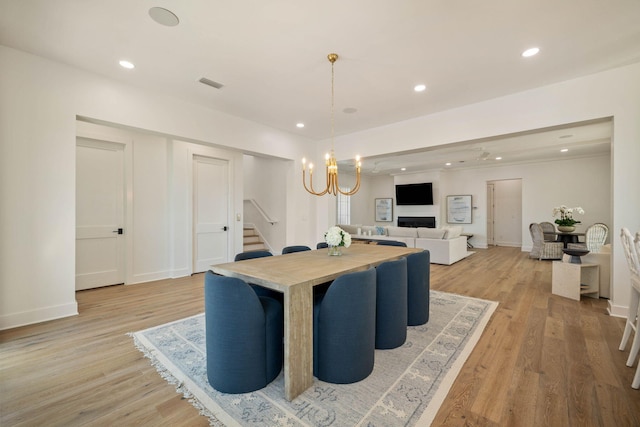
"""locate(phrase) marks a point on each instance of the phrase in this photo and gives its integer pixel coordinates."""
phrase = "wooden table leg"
(298, 340)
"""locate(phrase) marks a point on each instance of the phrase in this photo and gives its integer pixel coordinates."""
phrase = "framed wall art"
(384, 210)
(459, 209)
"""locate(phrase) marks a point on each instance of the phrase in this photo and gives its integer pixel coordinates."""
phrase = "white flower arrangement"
(566, 215)
(336, 236)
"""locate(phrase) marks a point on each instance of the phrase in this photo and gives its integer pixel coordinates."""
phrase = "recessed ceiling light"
(448, 164)
(419, 88)
(300, 125)
(531, 52)
(403, 169)
(126, 64)
(564, 150)
(163, 16)
(498, 158)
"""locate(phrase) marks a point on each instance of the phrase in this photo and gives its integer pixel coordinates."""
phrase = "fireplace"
(417, 221)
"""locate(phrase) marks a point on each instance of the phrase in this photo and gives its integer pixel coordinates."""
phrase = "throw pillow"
(431, 233)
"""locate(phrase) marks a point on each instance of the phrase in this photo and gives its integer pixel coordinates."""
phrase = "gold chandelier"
(331, 164)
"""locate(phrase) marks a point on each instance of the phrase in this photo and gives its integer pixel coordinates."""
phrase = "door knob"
(225, 228)
(119, 231)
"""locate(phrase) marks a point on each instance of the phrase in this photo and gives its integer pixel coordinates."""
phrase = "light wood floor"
(542, 361)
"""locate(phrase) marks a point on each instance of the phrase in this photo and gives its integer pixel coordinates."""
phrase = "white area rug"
(406, 388)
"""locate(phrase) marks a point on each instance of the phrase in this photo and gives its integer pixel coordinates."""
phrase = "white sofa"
(445, 245)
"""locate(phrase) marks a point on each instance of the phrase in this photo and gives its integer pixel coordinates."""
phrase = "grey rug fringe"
(180, 388)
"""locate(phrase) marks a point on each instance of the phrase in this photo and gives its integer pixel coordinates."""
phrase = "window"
(343, 206)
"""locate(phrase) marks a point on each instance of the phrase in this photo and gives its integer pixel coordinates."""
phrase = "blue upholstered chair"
(344, 323)
(260, 290)
(297, 248)
(391, 243)
(322, 245)
(243, 335)
(391, 304)
(251, 255)
(418, 284)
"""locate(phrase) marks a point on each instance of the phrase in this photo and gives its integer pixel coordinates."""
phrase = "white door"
(210, 212)
(99, 213)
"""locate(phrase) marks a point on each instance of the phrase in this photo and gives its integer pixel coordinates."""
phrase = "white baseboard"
(509, 244)
(149, 277)
(44, 314)
(180, 272)
(617, 310)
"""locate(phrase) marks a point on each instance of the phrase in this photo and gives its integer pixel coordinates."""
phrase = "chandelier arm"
(354, 190)
(312, 191)
(311, 183)
(328, 178)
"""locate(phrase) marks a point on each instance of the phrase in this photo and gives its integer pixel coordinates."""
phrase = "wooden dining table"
(295, 275)
(568, 237)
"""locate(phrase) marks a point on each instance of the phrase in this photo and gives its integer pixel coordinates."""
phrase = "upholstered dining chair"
(344, 328)
(322, 245)
(418, 286)
(549, 231)
(260, 290)
(243, 335)
(391, 243)
(631, 248)
(251, 255)
(391, 304)
(297, 248)
(542, 249)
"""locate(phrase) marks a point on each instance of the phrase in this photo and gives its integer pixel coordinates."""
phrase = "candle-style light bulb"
(304, 161)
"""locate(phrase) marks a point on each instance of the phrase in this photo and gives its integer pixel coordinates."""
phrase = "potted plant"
(566, 223)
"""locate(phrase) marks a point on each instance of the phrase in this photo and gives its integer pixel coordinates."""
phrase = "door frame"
(128, 192)
(491, 241)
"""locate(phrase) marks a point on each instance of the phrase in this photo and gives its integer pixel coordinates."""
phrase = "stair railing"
(261, 211)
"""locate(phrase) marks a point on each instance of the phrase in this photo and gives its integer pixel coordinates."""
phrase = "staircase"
(251, 240)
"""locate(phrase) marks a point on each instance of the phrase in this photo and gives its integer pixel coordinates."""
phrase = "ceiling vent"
(211, 83)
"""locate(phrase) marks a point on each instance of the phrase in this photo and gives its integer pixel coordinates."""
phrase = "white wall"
(439, 200)
(159, 204)
(585, 182)
(613, 93)
(150, 208)
(37, 160)
(264, 181)
(582, 182)
(37, 167)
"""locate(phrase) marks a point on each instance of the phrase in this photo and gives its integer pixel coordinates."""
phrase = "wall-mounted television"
(414, 194)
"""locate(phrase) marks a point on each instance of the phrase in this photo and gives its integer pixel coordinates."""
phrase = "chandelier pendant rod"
(331, 164)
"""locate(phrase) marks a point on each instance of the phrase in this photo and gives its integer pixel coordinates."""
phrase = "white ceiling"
(271, 55)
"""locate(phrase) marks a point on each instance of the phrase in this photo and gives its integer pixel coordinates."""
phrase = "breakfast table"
(295, 275)
(567, 237)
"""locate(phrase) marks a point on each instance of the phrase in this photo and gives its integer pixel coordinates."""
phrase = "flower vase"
(335, 250)
(566, 228)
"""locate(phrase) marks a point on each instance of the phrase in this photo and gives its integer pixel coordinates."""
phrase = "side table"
(468, 236)
(574, 280)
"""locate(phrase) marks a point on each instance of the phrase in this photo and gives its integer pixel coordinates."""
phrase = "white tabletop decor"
(336, 238)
